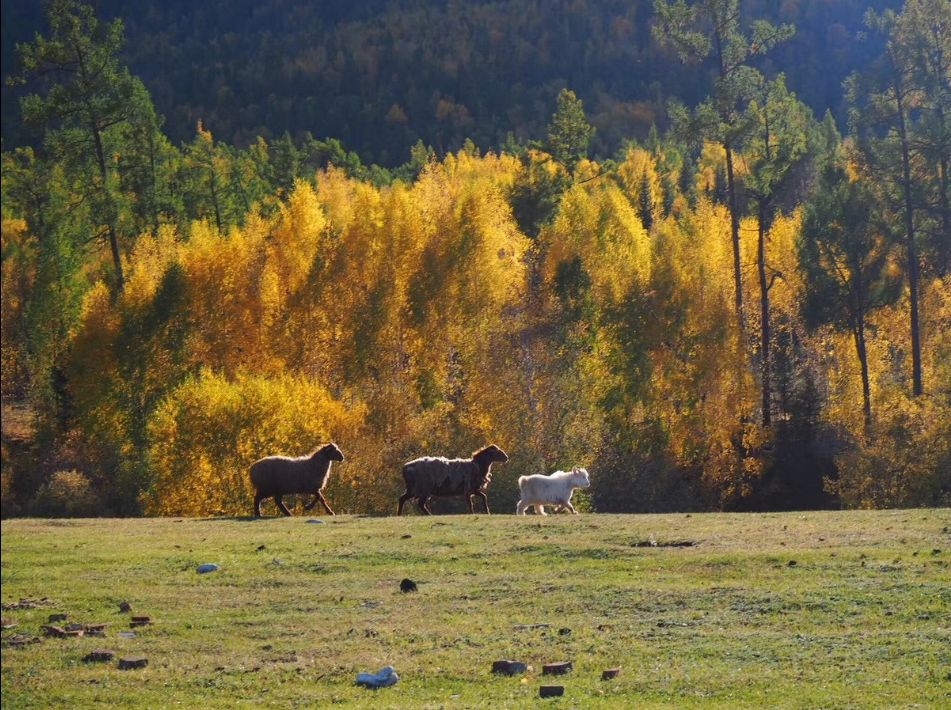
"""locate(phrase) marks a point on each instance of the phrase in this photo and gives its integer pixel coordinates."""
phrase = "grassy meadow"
(791, 610)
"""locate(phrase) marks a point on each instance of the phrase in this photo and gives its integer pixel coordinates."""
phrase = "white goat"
(556, 489)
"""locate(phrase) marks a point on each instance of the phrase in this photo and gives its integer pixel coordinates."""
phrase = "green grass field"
(813, 610)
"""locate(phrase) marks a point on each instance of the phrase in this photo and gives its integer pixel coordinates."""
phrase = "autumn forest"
(744, 306)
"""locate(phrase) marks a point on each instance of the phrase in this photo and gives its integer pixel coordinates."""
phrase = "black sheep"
(276, 476)
(437, 477)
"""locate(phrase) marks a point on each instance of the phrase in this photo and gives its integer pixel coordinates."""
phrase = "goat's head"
(580, 478)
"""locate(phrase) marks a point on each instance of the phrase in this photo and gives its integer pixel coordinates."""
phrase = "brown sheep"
(430, 477)
(276, 476)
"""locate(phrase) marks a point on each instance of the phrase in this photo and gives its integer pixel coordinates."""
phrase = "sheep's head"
(331, 452)
(491, 454)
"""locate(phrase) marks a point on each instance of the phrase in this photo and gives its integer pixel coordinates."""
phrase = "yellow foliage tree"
(209, 430)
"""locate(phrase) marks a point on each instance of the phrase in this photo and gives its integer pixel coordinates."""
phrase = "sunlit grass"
(777, 610)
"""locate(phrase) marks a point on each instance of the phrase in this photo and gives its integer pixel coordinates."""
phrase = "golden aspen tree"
(210, 430)
(699, 384)
(640, 179)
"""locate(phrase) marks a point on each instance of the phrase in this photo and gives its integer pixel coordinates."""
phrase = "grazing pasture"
(825, 609)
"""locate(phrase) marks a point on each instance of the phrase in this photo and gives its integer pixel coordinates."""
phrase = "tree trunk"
(859, 333)
(214, 199)
(735, 236)
(113, 236)
(765, 365)
(917, 387)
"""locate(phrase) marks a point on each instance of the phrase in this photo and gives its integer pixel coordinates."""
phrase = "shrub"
(208, 431)
(67, 494)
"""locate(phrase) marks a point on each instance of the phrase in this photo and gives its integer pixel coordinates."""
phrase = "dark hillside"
(380, 75)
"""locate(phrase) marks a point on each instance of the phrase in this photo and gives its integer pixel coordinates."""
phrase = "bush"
(208, 431)
(67, 494)
(903, 462)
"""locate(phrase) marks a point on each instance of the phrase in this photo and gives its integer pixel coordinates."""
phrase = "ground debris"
(133, 662)
(384, 677)
(506, 667)
(556, 668)
(20, 640)
(28, 604)
(99, 656)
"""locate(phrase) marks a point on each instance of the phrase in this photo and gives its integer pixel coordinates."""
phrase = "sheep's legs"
(323, 502)
(520, 508)
(421, 502)
(280, 504)
(485, 502)
(403, 498)
(257, 505)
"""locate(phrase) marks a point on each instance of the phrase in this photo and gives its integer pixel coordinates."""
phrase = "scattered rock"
(133, 662)
(408, 585)
(99, 656)
(125, 607)
(54, 631)
(610, 673)
(56, 618)
(384, 677)
(207, 567)
(8, 623)
(791, 563)
(551, 691)
(315, 521)
(506, 667)
(564, 631)
(261, 547)
(95, 629)
(556, 668)
(407, 536)
(140, 621)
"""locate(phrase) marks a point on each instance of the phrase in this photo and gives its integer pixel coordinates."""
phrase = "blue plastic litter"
(384, 677)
